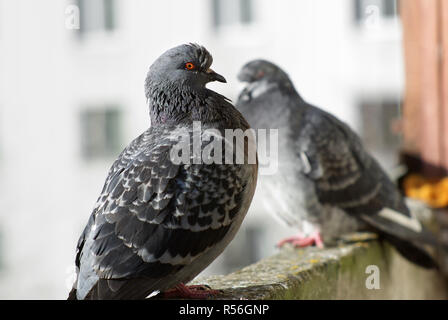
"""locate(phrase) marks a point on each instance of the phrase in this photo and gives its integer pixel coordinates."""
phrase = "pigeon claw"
(301, 241)
(182, 291)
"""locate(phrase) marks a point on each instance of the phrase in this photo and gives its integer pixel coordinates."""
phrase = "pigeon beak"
(246, 75)
(243, 76)
(213, 76)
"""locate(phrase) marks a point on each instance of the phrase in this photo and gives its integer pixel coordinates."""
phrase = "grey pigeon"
(158, 223)
(326, 183)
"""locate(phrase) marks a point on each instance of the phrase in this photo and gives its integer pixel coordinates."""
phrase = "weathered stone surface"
(332, 273)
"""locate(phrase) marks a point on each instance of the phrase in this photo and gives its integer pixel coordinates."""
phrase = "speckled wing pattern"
(150, 212)
(346, 176)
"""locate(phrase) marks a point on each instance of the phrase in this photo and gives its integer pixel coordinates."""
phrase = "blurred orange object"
(433, 193)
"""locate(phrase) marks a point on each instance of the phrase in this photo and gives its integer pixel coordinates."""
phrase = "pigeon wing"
(347, 177)
(154, 217)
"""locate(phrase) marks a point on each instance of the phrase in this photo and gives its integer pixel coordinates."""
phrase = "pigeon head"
(262, 70)
(175, 85)
(185, 65)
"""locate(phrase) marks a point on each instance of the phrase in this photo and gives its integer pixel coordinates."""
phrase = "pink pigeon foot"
(301, 241)
(190, 292)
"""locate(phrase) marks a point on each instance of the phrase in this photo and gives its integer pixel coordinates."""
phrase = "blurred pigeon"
(327, 183)
(158, 223)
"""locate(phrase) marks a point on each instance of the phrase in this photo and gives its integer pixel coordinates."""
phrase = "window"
(379, 121)
(232, 12)
(96, 15)
(100, 133)
(366, 10)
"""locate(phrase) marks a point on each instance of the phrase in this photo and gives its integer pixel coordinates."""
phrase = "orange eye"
(189, 66)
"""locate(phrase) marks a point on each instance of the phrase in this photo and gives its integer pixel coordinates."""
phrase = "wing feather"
(151, 211)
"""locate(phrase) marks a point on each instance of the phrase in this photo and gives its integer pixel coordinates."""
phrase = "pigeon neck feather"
(257, 88)
(176, 104)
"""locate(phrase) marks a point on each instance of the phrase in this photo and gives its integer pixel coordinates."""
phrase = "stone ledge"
(332, 273)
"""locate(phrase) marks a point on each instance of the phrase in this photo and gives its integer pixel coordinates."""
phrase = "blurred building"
(71, 98)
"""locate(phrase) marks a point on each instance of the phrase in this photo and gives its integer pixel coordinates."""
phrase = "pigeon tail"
(408, 238)
(413, 252)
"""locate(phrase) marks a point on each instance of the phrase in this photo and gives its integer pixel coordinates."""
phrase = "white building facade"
(71, 99)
